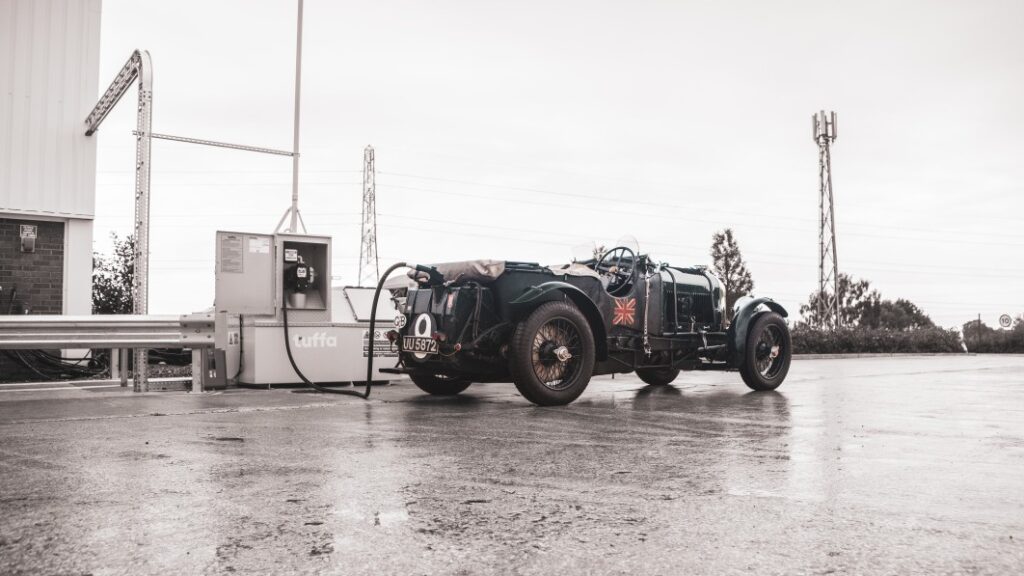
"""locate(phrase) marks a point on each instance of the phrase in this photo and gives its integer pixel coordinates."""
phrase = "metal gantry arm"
(217, 144)
(139, 66)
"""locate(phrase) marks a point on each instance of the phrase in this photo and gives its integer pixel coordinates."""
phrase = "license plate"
(419, 344)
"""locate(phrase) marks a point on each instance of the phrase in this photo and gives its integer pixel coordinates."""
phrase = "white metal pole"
(293, 226)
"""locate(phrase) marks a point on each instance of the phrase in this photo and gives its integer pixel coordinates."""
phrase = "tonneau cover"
(482, 271)
(574, 269)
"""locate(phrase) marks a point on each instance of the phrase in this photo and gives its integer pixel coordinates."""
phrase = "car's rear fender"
(743, 320)
(556, 291)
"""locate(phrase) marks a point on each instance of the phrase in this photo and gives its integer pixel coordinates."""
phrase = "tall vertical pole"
(829, 297)
(369, 263)
(140, 278)
(293, 224)
(138, 67)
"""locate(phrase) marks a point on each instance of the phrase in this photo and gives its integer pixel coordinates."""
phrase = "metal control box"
(245, 273)
(315, 251)
(250, 273)
(328, 328)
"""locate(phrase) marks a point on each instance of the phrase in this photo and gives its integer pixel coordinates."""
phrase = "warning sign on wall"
(382, 347)
(259, 245)
(231, 254)
(28, 237)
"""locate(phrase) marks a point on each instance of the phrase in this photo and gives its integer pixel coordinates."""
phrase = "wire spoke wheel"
(551, 354)
(768, 352)
(556, 353)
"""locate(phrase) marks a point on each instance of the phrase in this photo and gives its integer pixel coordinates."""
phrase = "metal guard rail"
(117, 332)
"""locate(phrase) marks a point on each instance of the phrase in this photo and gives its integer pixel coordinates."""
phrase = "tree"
(855, 298)
(728, 264)
(862, 307)
(899, 315)
(113, 277)
(980, 337)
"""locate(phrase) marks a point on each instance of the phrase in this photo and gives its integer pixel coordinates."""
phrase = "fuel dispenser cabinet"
(257, 276)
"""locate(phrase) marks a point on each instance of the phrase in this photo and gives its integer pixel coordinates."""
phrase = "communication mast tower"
(829, 298)
(369, 265)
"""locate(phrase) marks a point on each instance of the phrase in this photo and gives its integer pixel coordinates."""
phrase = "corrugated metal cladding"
(49, 76)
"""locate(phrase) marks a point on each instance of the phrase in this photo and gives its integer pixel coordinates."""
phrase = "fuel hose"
(431, 272)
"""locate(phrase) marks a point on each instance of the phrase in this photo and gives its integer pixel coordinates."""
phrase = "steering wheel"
(615, 264)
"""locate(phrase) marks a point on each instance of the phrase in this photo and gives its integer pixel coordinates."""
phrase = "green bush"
(866, 341)
(996, 341)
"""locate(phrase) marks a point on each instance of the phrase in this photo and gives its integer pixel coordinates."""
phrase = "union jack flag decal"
(624, 313)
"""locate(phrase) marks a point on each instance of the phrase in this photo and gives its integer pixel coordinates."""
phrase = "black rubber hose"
(10, 303)
(288, 348)
(373, 319)
(369, 363)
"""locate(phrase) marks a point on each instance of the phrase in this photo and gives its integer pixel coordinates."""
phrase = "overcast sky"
(518, 130)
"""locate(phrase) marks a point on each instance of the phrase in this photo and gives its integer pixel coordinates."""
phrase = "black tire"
(768, 353)
(657, 376)
(539, 374)
(439, 385)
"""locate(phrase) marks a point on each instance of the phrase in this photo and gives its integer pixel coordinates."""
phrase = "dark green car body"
(660, 317)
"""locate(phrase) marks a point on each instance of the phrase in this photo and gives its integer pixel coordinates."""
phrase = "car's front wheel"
(768, 353)
(551, 356)
(439, 385)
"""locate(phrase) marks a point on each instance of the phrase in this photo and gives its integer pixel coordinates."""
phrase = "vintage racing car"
(549, 329)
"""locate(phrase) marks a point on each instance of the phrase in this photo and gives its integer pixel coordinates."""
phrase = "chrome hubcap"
(768, 351)
(562, 354)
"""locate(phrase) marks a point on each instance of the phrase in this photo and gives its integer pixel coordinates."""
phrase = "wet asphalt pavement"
(859, 466)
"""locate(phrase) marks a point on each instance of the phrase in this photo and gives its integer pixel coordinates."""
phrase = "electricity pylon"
(369, 264)
(829, 298)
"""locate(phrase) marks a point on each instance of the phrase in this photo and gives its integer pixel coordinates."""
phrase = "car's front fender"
(555, 291)
(743, 320)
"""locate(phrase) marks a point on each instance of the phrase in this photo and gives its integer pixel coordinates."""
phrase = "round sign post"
(1005, 321)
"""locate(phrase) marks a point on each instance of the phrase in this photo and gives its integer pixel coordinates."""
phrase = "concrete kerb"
(884, 355)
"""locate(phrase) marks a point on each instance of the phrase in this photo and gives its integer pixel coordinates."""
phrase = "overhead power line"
(689, 205)
(664, 214)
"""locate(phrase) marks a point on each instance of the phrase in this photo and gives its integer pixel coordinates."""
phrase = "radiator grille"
(695, 305)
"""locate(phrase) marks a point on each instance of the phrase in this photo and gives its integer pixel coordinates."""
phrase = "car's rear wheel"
(657, 376)
(768, 353)
(438, 384)
(551, 356)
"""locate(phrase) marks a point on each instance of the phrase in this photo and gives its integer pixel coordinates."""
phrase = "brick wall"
(38, 276)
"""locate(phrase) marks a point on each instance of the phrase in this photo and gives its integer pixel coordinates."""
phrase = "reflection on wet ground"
(854, 466)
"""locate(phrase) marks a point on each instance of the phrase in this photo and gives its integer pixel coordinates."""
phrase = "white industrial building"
(49, 74)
